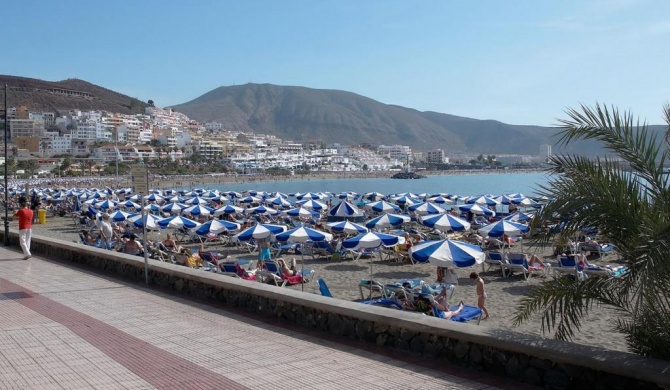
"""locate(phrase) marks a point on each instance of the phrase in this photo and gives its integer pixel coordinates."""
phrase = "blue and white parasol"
(382, 207)
(304, 234)
(445, 223)
(503, 227)
(261, 210)
(198, 210)
(301, 213)
(260, 231)
(312, 205)
(372, 240)
(177, 222)
(387, 220)
(345, 210)
(173, 208)
(346, 227)
(216, 226)
(119, 216)
(228, 209)
(427, 208)
(196, 201)
(447, 253)
(477, 209)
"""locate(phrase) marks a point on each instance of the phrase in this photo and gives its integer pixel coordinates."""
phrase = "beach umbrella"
(210, 194)
(405, 200)
(309, 195)
(477, 209)
(154, 198)
(119, 216)
(220, 199)
(177, 222)
(190, 194)
(504, 199)
(261, 210)
(173, 208)
(387, 220)
(279, 201)
(445, 222)
(503, 227)
(134, 198)
(482, 200)
(301, 213)
(346, 227)
(440, 200)
(312, 205)
(130, 205)
(250, 199)
(216, 226)
(228, 209)
(154, 208)
(373, 196)
(198, 210)
(345, 210)
(195, 201)
(520, 217)
(372, 240)
(349, 195)
(233, 194)
(527, 202)
(260, 231)
(139, 220)
(447, 253)
(304, 234)
(427, 209)
(107, 204)
(382, 207)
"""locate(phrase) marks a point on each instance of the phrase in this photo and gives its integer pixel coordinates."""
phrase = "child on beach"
(481, 294)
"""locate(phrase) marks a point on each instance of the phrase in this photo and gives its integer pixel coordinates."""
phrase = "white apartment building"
(53, 143)
(435, 156)
(145, 136)
(213, 126)
(395, 152)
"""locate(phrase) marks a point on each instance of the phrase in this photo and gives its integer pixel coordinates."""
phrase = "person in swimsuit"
(481, 294)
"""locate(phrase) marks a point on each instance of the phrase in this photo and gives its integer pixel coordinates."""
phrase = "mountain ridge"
(302, 113)
(40, 95)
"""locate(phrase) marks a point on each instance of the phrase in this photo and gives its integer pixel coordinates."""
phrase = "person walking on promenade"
(481, 294)
(25, 216)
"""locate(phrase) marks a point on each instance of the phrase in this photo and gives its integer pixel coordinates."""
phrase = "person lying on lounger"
(286, 270)
(443, 306)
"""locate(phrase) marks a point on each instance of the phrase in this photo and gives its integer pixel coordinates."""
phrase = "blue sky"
(520, 62)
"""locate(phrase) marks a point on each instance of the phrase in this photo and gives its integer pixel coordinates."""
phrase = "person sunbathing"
(286, 270)
(170, 244)
(535, 262)
(132, 247)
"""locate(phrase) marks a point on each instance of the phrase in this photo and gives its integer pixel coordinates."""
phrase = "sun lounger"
(497, 259)
(323, 288)
(519, 262)
(371, 286)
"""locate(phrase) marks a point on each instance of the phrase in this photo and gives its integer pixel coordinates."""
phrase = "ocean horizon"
(461, 184)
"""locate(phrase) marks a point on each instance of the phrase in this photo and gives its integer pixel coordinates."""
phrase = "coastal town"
(75, 142)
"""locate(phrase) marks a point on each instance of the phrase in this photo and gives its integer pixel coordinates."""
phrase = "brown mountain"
(40, 95)
(337, 116)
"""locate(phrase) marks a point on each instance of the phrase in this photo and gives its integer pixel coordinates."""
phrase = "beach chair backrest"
(566, 261)
(272, 267)
(517, 259)
(495, 256)
(323, 288)
(208, 257)
(229, 268)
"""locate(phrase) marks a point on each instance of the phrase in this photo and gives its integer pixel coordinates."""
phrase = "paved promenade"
(66, 328)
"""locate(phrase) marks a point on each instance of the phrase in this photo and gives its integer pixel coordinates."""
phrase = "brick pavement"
(66, 328)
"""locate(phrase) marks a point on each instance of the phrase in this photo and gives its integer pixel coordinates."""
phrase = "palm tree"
(626, 197)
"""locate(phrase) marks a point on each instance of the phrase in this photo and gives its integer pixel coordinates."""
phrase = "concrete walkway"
(66, 328)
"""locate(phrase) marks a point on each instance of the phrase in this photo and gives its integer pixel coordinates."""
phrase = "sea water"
(458, 184)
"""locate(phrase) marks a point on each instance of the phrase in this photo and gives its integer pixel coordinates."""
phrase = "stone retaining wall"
(549, 363)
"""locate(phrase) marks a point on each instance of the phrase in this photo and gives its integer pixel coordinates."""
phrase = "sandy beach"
(343, 277)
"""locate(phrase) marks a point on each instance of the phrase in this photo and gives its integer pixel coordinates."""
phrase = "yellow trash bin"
(42, 216)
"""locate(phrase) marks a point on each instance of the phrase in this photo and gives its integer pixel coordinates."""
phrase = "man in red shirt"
(25, 216)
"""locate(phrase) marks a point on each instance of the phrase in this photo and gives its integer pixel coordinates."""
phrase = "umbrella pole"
(302, 270)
